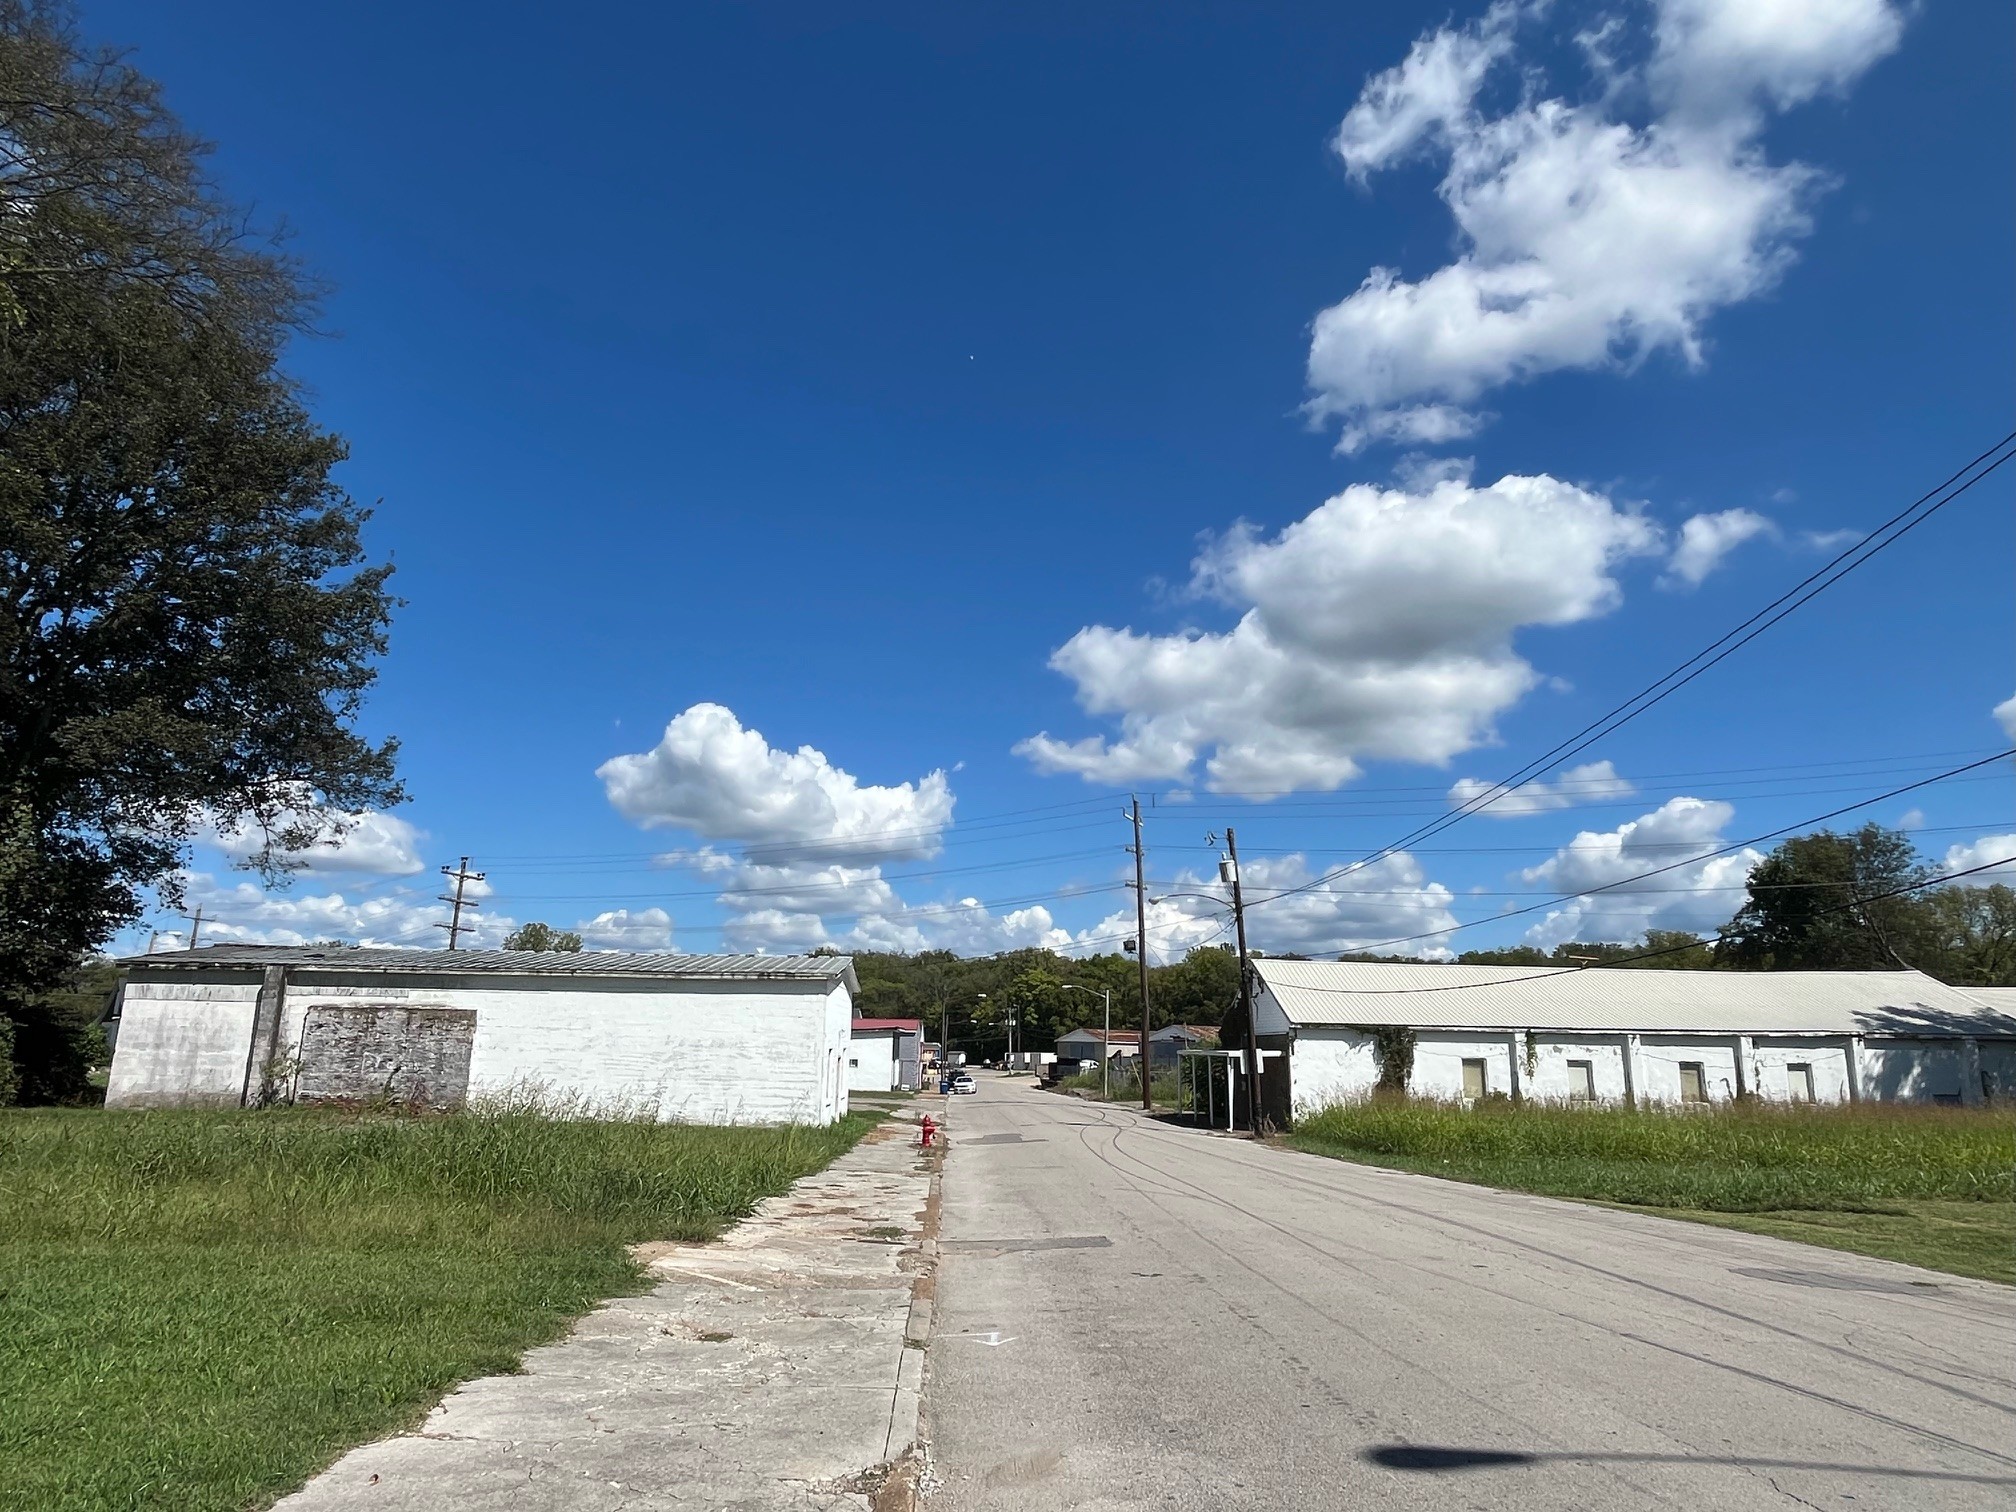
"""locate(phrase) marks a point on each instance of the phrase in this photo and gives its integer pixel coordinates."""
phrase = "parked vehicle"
(963, 1083)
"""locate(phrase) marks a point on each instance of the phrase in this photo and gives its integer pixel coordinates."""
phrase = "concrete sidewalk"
(778, 1368)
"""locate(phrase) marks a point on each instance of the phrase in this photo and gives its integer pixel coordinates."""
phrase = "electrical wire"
(1554, 973)
(1885, 535)
(1623, 882)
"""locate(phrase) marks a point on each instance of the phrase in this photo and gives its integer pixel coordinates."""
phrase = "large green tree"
(1971, 935)
(188, 620)
(1817, 904)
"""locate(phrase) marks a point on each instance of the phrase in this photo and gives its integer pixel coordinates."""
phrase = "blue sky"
(808, 383)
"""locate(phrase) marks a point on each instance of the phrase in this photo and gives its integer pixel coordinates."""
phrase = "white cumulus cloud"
(1986, 851)
(1707, 538)
(1379, 625)
(805, 843)
(1588, 238)
(369, 843)
(247, 913)
(1388, 900)
(1701, 893)
(625, 929)
(1593, 782)
(2005, 716)
(710, 775)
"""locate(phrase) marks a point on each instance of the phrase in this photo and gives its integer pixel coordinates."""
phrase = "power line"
(1571, 848)
(1664, 950)
(1801, 593)
(1590, 892)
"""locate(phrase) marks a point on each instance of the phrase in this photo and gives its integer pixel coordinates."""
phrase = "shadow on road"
(1439, 1457)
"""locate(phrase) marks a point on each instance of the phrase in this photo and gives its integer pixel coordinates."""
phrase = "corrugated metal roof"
(1434, 996)
(2002, 998)
(559, 963)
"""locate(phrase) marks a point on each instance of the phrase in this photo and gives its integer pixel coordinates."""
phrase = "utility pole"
(1106, 1044)
(195, 924)
(463, 877)
(1231, 866)
(1141, 957)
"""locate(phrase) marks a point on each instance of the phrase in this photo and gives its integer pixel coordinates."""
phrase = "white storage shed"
(724, 1039)
(885, 1055)
(1644, 1035)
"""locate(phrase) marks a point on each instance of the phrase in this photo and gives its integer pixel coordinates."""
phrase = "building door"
(1475, 1082)
(1799, 1082)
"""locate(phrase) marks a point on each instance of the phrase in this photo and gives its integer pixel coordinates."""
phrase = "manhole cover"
(1830, 1281)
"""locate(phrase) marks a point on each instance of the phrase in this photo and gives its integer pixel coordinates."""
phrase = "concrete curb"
(908, 1452)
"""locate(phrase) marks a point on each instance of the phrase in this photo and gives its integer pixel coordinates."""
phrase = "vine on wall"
(1393, 1049)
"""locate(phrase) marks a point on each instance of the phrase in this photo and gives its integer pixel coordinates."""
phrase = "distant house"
(727, 1039)
(1643, 1036)
(1167, 1043)
(1096, 1044)
(885, 1055)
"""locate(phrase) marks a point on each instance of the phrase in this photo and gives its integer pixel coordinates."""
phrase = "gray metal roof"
(2002, 998)
(557, 963)
(1434, 996)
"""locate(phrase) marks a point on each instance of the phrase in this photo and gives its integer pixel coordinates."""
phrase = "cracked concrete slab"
(775, 1369)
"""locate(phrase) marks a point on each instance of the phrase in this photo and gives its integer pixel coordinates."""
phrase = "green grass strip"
(1928, 1185)
(199, 1310)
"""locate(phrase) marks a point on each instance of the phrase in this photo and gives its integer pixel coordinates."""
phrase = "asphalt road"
(1131, 1316)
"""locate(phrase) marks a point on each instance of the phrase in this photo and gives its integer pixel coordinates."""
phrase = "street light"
(1106, 1045)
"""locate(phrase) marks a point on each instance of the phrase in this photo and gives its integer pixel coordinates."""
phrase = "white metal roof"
(1435, 996)
(2002, 999)
(561, 963)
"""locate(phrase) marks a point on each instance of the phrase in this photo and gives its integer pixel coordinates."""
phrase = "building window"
(1799, 1082)
(1693, 1082)
(851, 1061)
(1475, 1082)
(1581, 1081)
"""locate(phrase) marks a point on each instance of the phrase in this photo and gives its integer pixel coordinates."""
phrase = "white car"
(963, 1083)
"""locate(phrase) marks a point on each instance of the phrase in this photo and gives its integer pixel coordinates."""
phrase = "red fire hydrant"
(928, 1129)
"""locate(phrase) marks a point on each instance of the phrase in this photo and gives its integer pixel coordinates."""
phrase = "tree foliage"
(1815, 905)
(56, 1037)
(537, 936)
(188, 622)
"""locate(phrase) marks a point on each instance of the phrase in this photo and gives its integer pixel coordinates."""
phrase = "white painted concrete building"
(1649, 1036)
(725, 1039)
(885, 1055)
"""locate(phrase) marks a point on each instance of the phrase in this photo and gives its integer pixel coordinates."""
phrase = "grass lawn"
(199, 1310)
(1931, 1186)
(1126, 1089)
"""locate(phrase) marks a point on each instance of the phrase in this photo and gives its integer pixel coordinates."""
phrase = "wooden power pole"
(1245, 982)
(463, 877)
(195, 925)
(1141, 958)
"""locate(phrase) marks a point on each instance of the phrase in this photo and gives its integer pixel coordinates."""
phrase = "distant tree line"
(1814, 904)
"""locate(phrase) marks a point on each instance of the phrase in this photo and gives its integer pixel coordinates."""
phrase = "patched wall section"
(396, 1052)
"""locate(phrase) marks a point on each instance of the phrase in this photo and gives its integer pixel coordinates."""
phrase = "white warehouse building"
(724, 1039)
(1646, 1036)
